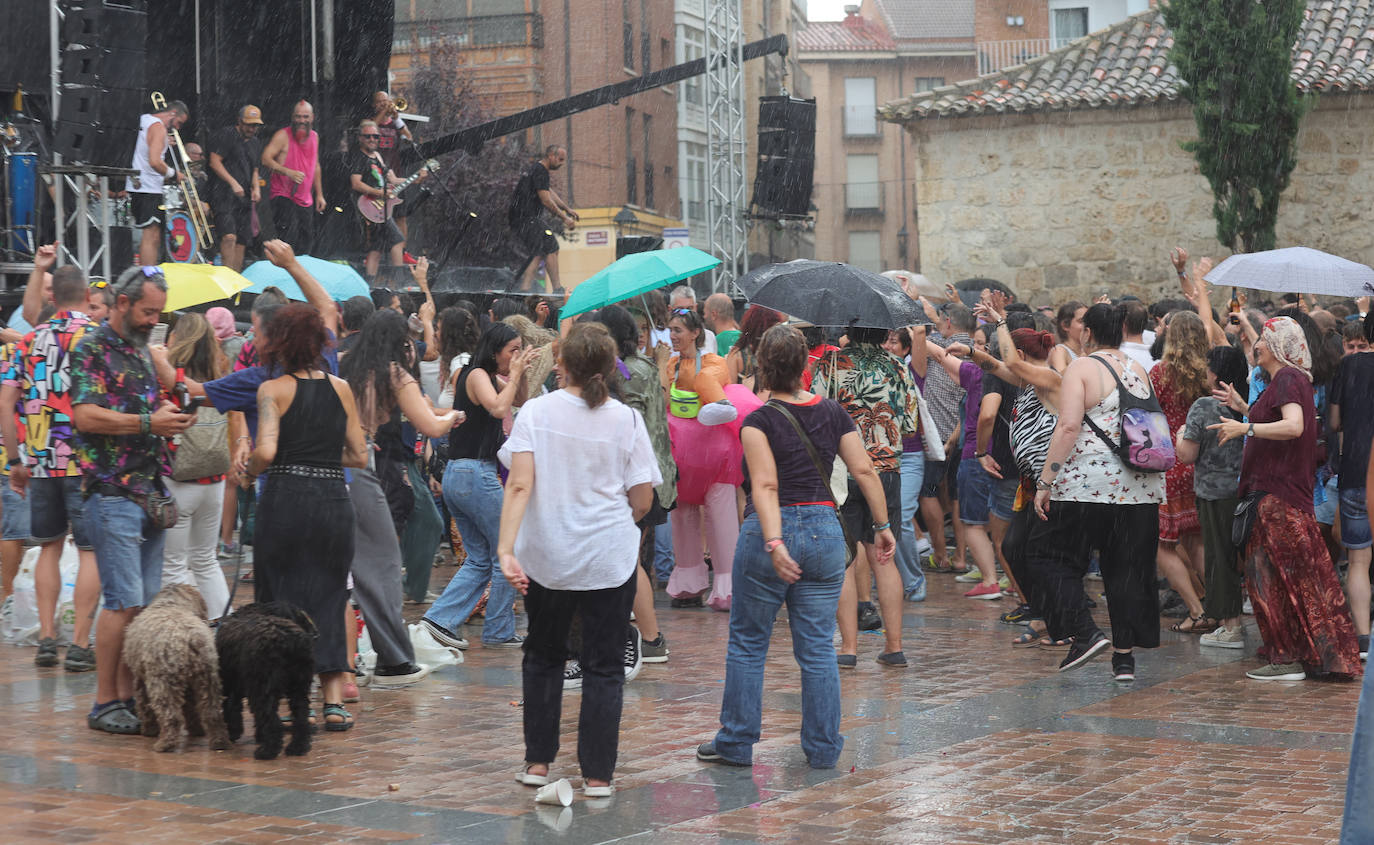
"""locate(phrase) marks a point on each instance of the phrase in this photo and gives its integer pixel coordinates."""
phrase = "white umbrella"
(1296, 269)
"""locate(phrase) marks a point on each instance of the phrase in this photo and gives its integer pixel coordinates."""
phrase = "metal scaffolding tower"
(725, 143)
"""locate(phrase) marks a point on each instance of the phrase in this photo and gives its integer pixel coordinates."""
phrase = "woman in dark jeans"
(576, 554)
(307, 432)
(791, 550)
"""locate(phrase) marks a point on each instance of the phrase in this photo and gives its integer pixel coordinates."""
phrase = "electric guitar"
(380, 210)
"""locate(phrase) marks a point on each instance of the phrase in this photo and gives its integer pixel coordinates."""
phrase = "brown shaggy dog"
(171, 652)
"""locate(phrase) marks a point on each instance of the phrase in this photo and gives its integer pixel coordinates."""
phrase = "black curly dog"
(267, 653)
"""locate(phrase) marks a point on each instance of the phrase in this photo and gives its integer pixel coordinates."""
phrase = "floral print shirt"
(1094, 472)
(877, 390)
(40, 368)
(111, 372)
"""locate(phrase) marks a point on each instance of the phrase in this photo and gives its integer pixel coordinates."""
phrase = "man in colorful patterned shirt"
(877, 390)
(123, 424)
(38, 376)
(14, 521)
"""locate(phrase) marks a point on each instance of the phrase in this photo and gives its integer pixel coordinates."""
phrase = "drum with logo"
(182, 244)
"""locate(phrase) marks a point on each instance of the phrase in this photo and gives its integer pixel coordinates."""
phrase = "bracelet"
(770, 545)
(14, 462)
(1042, 484)
(244, 437)
(145, 423)
(980, 455)
(881, 526)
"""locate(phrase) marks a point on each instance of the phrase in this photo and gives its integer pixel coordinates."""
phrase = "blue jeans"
(816, 543)
(472, 492)
(1358, 825)
(663, 551)
(128, 551)
(908, 563)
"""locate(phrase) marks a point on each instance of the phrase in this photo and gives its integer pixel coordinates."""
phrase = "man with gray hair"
(719, 317)
(939, 494)
(123, 455)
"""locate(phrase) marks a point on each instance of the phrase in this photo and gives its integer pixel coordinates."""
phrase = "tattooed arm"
(269, 427)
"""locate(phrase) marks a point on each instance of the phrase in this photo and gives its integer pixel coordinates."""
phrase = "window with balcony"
(860, 106)
(1068, 25)
(866, 250)
(862, 189)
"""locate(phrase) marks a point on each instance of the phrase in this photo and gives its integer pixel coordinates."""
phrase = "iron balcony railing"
(470, 33)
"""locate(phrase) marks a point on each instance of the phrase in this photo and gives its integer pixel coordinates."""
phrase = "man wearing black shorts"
(234, 153)
(532, 196)
(152, 160)
(371, 177)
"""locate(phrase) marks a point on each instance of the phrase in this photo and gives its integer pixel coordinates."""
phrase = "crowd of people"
(1199, 463)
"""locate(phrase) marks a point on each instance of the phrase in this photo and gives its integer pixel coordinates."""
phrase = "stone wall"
(1066, 205)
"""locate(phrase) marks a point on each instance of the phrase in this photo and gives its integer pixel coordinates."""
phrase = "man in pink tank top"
(293, 157)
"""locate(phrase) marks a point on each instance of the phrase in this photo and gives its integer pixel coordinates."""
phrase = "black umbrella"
(825, 293)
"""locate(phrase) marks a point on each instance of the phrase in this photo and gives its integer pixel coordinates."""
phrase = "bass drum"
(180, 237)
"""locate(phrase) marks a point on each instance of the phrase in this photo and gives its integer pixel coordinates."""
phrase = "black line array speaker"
(787, 155)
(102, 81)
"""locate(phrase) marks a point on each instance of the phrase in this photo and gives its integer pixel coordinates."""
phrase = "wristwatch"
(1250, 432)
(1042, 484)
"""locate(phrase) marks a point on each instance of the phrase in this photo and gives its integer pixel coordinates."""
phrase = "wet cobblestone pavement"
(976, 742)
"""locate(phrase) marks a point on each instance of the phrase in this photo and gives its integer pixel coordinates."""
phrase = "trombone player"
(386, 113)
(152, 160)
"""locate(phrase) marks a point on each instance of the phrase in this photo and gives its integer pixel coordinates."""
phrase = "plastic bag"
(430, 651)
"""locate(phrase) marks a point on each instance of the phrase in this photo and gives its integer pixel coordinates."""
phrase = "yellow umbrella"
(196, 284)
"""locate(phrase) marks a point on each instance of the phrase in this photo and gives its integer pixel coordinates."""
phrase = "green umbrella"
(634, 274)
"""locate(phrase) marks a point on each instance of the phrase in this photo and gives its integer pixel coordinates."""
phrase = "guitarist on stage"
(370, 177)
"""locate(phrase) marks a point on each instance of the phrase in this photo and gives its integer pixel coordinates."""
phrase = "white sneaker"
(1224, 637)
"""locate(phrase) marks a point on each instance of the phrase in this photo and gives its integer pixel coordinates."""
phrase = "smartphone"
(195, 403)
(158, 336)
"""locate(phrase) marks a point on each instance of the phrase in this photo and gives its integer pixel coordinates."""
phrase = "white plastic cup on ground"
(560, 793)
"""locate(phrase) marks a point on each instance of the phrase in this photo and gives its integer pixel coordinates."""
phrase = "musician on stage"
(234, 155)
(532, 195)
(293, 157)
(394, 133)
(370, 177)
(152, 160)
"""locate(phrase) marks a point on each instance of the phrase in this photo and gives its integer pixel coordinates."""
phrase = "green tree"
(1235, 58)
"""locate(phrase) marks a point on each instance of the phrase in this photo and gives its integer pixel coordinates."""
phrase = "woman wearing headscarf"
(1299, 605)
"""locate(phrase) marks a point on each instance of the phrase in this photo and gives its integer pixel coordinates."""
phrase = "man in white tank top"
(152, 160)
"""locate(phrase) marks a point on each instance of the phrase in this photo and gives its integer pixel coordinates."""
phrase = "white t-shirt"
(1140, 353)
(579, 532)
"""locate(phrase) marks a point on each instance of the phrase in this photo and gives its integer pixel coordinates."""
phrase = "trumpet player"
(153, 161)
(391, 129)
(234, 154)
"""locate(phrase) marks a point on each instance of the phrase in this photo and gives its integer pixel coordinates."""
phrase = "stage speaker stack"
(102, 81)
(787, 156)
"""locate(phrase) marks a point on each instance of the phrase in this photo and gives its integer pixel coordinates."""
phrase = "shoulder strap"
(805, 439)
(1102, 435)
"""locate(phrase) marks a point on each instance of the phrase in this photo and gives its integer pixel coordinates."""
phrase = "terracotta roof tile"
(947, 20)
(843, 36)
(1127, 64)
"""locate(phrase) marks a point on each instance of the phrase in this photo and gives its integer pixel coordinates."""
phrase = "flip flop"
(114, 717)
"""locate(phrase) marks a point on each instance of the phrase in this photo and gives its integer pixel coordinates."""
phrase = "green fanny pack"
(683, 404)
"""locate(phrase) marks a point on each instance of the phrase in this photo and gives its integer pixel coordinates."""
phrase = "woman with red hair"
(742, 358)
(308, 431)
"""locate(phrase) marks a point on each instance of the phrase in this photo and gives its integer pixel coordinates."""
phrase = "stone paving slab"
(974, 743)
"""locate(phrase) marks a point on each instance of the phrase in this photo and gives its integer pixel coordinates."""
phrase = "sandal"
(287, 720)
(528, 778)
(114, 717)
(337, 711)
(1200, 624)
(1046, 642)
(1028, 638)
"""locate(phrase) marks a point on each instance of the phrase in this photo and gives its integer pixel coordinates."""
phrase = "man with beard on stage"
(293, 157)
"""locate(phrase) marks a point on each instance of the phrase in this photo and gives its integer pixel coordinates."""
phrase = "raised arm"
(280, 253)
(43, 261)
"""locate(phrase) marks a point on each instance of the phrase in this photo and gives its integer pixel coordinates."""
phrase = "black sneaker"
(1015, 617)
(690, 601)
(655, 650)
(401, 675)
(869, 618)
(443, 635)
(510, 642)
(572, 676)
(1123, 667)
(1081, 652)
(47, 652)
(79, 659)
(634, 658)
(706, 752)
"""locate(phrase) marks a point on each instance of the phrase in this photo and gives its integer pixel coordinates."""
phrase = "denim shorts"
(1355, 533)
(975, 492)
(1002, 495)
(1326, 511)
(55, 504)
(15, 523)
(128, 551)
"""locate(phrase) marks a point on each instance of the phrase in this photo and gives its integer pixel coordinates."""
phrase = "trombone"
(188, 182)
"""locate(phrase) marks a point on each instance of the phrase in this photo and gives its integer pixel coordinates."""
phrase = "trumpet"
(399, 104)
(187, 183)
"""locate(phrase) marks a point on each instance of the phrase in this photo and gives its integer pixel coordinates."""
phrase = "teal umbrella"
(634, 274)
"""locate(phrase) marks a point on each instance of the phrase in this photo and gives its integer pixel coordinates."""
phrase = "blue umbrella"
(637, 273)
(340, 281)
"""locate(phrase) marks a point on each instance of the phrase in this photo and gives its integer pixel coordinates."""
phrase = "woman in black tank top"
(307, 432)
(473, 491)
